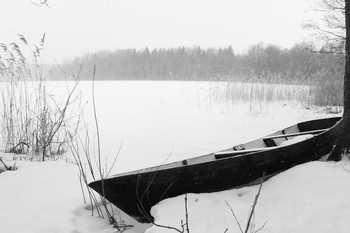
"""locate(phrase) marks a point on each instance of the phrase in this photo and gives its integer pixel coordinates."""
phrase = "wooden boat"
(136, 192)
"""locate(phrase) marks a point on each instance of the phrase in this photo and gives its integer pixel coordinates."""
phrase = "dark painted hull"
(136, 192)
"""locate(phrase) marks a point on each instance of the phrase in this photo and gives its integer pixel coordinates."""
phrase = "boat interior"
(283, 137)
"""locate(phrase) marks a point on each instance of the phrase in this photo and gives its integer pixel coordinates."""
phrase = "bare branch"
(41, 3)
(254, 205)
(233, 214)
(186, 213)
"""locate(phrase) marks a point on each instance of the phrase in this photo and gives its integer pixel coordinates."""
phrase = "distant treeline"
(260, 61)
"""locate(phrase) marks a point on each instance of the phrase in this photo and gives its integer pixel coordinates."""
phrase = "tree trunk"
(343, 144)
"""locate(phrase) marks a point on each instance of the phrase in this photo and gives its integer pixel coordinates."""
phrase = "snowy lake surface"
(154, 121)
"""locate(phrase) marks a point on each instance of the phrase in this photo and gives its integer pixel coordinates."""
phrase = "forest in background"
(260, 62)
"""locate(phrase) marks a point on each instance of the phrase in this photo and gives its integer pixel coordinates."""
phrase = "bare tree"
(334, 31)
(330, 30)
(343, 143)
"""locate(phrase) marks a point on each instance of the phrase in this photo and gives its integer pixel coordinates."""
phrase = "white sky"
(75, 27)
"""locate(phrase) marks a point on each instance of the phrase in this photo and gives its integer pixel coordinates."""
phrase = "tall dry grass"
(33, 120)
(328, 89)
(88, 158)
(324, 89)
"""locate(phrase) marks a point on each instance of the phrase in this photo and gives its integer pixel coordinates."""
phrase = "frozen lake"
(154, 121)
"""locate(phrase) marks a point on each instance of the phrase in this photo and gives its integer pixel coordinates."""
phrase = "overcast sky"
(76, 27)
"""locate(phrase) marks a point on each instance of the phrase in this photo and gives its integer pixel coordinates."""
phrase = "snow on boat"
(136, 192)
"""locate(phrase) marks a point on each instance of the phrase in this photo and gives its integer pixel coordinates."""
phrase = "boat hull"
(136, 192)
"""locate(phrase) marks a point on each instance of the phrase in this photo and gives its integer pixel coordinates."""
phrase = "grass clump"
(322, 89)
(33, 120)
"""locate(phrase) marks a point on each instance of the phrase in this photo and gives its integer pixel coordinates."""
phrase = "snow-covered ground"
(155, 119)
(311, 197)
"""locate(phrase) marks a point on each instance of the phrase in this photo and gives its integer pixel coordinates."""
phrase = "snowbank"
(45, 197)
(313, 197)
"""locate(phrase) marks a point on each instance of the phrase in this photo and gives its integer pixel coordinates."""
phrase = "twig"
(115, 160)
(170, 227)
(261, 227)
(167, 227)
(252, 212)
(186, 212)
(233, 213)
(254, 204)
(7, 168)
(96, 122)
(81, 187)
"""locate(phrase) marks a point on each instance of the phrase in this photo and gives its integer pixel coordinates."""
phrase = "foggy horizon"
(76, 28)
